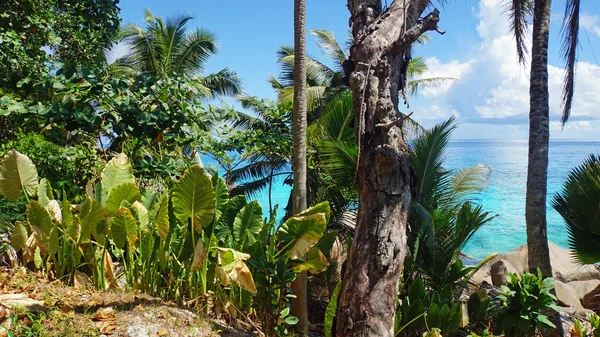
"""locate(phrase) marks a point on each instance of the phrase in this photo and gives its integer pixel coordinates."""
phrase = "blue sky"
(490, 99)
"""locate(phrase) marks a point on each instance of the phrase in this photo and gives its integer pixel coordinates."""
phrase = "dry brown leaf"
(81, 280)
(139, 308)
(106, 327)
(160, 315)
(104, 315)
(4, 312)
(162, 333)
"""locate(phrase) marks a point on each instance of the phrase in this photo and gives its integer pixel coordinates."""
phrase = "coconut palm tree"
(578, 204)
(325, 82)
(165, 47)
(299, 161)
(539, 130)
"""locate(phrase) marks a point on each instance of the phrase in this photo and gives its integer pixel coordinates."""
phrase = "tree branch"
(428, 23)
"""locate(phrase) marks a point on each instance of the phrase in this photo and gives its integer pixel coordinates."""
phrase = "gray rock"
(499, 272)
(22, 301)
(584, 287)
(567, 296)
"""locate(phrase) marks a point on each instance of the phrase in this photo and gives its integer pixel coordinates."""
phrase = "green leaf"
(37, 258)
(247, 225)
(284, 312)
(67, 213)
(93, 214)
(326, 242)
(331, 310)
(291, 320)
(44, 192)
(118, 171)
(123, 228)
(39, 219)
(304, 230)
(161, 221)
(315, 262)
(53, 245)
(222, 196)
(17, 172)
(128, 192)
(194, 198)
(141, 215)
(19, 236)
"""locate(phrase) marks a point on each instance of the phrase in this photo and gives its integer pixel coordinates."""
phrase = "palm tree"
(299, 165)
(165, 47)
(578, 205)
(323, 80)
(539, 132)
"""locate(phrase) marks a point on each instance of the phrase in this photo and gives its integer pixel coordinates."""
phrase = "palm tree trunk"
(369, 295)
(299, 204)
(539, 135)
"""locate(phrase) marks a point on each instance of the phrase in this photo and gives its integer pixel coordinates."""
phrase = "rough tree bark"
(380, 55)
(539, 135)
(299, 203)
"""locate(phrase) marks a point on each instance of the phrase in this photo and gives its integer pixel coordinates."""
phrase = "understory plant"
(522, 307)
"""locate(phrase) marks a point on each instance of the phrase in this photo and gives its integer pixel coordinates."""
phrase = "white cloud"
(115, 51)
(591, 23)
(493, 91)
(451, 70)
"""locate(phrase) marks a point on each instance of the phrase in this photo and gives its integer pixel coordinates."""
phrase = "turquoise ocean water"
(505, 194)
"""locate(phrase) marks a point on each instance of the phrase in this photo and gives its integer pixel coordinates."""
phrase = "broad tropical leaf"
(128, 192)
(123, 228)
(315, 262)
(224, 228)
(118, 171)
(161, 221)
(199, 255)
(92, 217)
(39, 219)
(221, 195)
(141, 215)
(304, 229)
(67, 213)
(19, 236)
(330, 312)
(44, 192)
(232, 264)
(247, 225)
(53, 208)
(194, 198)
(17, 173)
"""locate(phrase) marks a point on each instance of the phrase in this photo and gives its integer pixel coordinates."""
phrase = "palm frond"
(334, 122)
(317, 74)
(428, 84)
(339, 159)
(570, 40)
(330, 47)
(314, 95)
(519, 12)
(466, 183)
(416, 67)
(195, 49)
(225, 82)
(427, 158)
(577, 203)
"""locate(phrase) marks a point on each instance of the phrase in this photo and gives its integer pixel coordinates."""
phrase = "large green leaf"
(222, 196)
(161, 220)
(39, 219)
(125, 192)
(330, 312)
(123, 228)
(19, 236)
(247, 225)
(305, 229)
(17, 172)
(44, 192)
(67, 213)
(224, 227)
(118, 171)
(194, 198)
(92, 215)
(141, 215)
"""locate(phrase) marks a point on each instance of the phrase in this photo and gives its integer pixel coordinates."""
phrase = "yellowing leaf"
(434, 332)
(141, 215)
(37, 258)
(315, 262)
(17, 172)
(199, 255)
(162, 217)
(304, 230)
(222, 275)
(54, 210)
(232, 263)
(44, 192)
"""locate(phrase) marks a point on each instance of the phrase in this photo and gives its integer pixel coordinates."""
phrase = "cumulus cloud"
(493, 91)
(591, 23)
(453, 71)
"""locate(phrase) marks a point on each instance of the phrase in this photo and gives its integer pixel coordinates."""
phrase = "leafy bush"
(477, 306)
(521, 308)
(580, 330)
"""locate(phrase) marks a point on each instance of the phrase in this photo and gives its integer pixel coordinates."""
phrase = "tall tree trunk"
(380, 56)
(299, 204)
(539, 135)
